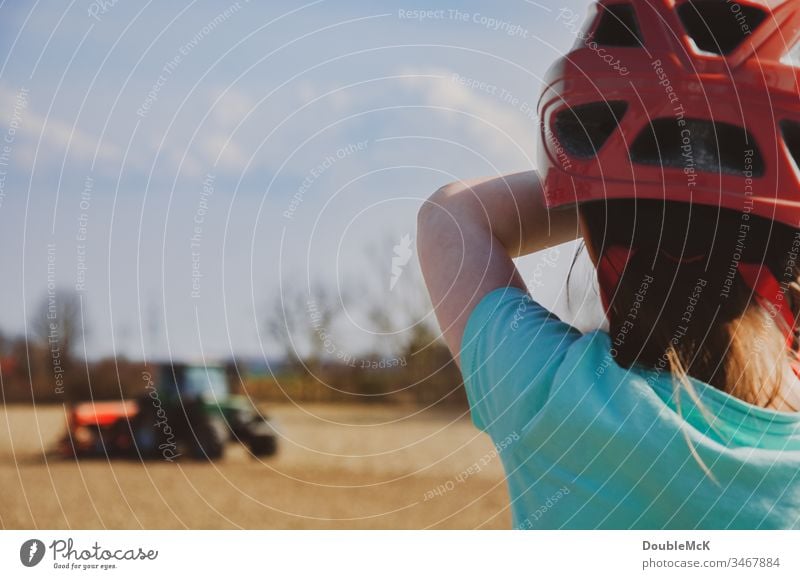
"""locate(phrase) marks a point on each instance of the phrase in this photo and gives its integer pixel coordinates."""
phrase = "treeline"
(408, 366)
(426, 378)
(31, 374)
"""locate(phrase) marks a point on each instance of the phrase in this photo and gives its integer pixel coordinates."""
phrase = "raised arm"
(468, 233)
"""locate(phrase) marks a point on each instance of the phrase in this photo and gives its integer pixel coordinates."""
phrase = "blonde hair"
(698, 317)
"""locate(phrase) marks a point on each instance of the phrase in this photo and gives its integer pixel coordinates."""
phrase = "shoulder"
(511, 349)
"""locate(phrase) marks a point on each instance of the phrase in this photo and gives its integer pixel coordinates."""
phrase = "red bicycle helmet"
(681, 100)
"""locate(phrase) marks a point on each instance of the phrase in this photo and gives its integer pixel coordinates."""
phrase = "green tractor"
(185, 411)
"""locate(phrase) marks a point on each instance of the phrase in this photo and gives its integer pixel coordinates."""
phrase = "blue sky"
(302, 137)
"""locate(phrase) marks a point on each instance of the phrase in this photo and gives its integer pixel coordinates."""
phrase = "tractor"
(185, 411)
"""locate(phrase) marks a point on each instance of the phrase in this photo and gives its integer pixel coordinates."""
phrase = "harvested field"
(338, 467)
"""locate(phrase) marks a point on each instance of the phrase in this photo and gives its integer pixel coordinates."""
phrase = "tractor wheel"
(205, 434)
(210, 443)
(146, 437)
(263, 445)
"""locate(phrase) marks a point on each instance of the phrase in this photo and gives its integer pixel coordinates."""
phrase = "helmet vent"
(584, 129)
(791, 137)
(718, 26)
(618, 26)
(699, 145)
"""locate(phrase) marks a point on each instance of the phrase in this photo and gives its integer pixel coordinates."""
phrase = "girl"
(684, 414)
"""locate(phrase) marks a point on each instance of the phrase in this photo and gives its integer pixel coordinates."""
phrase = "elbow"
(430, 207)
(433, 211)
(445, 203)
(437, 230)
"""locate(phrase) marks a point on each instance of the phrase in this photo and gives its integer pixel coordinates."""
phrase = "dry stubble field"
(339, 467)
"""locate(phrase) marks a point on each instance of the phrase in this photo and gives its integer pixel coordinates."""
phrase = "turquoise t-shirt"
(587, 444)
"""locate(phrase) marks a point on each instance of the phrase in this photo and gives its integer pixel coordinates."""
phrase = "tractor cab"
(186, 382)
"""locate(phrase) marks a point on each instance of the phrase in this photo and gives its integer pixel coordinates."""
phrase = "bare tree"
(399, 298)
(59, 326)
(393, 301)
(300, 321)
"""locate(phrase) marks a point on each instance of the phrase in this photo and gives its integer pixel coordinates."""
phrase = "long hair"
(681, 304)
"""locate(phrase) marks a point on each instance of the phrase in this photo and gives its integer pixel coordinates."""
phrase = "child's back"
(587, 444)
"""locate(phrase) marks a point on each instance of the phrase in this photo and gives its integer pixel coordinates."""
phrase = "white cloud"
(218, 145)
(233, 106)
(52, 135)
(497, 119)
